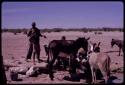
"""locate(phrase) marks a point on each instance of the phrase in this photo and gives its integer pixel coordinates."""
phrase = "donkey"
(119, 43)
(98, 61)
(101, 61)
(69, 47)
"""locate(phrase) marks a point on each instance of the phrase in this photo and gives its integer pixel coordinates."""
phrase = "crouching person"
(82, 59)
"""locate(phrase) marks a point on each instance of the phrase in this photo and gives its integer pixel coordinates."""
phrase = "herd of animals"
(81, 53)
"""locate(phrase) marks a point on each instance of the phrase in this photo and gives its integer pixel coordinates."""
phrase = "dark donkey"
(69, 47)
(119, 43)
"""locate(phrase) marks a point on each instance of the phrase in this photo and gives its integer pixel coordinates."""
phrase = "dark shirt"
(34, 35)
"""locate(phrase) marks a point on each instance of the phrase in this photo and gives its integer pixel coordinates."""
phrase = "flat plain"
(15, 47)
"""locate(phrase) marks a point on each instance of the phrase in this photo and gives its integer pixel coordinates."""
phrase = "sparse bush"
(85, 30)
(57, 29)
(14, 33)
(98, 32)
(25, 32)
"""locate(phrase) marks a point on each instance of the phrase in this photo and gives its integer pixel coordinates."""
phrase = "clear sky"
(62, 14)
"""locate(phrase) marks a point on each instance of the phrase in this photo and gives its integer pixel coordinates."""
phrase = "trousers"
(35, 50)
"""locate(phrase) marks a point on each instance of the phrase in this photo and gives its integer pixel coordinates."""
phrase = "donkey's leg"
(104, 73)
(74, 65)
(105, 76)
(50, 54)
(92, 71)
(51, 66)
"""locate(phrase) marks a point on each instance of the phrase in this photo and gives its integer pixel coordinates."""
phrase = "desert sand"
(15, 47)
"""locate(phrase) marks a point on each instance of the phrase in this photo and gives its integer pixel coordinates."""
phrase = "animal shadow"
(110, 80)
(111, 51)
(18, 80)
(73, 77)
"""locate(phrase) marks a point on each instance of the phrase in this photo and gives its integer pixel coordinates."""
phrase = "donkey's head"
(96, 47)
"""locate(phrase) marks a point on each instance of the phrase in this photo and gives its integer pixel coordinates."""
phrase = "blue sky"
(62, 14)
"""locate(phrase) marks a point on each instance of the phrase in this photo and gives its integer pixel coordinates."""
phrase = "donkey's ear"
(88, 38)
(94, 44)
(99, 44)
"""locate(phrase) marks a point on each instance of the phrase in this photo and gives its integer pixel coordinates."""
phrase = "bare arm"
(43, 36)
(39, 34)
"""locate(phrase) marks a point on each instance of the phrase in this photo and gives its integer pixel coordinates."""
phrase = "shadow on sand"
(76, 78)
(110, 80)
(111, 51)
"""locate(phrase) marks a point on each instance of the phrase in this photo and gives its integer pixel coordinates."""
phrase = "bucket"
(14, 76)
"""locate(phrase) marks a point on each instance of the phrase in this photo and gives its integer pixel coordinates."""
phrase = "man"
(34, 46)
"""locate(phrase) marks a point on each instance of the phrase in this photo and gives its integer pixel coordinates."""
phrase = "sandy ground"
(15, 47)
